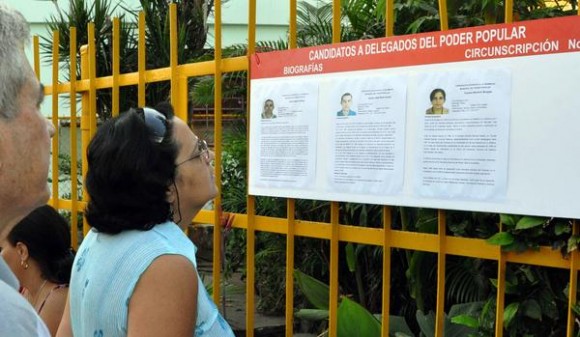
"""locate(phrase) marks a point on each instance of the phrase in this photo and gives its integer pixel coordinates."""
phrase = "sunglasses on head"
(156, 123)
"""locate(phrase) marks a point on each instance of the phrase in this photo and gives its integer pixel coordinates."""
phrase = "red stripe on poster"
(538, 37)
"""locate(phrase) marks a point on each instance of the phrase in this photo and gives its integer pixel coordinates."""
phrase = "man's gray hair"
(14, 35)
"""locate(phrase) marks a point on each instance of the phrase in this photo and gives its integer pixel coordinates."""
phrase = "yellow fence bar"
(289, 313)
(73, 137)
(217, 233)
(509, 11)
(334, 256)
(250, 200)
(250, 266)
(173, 53)
(573, 286)
(441, 259)
(85, 124)
(443, 17)
(386, 300)
(389, 18)
(334, 210)
(92, 76)
(157, 75)
(336, 21)
(54, 113)
(181, 107)
(36, 48)
(500, 296)
(141, 61)
(116, 67)
(293, 27)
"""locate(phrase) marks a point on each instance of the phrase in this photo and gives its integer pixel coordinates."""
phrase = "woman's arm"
(164, 302)
(53, 309)
(64, 329)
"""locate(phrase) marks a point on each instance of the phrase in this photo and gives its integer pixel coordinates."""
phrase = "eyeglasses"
(202, 151)
(156, 123)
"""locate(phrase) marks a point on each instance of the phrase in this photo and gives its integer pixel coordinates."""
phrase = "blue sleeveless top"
(106, 270)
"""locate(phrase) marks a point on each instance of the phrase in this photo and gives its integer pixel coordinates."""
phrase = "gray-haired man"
(24, 158)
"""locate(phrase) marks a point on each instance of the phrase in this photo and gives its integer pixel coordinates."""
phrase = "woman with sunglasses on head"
(135, 272)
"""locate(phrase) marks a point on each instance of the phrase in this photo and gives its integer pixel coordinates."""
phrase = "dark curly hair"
(130, 173)
(46, 234)
(435, 91)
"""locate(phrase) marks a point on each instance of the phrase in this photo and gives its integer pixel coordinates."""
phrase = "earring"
(24, 264)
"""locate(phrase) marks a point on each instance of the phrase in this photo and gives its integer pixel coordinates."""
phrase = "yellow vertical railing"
(73, 137)
(250, 266)
(85, 124)
(217, 233)
(500, 295)
(291, 206)
(386, 300)
(289, 313)
(441, 259)
(141, 60)
(334, 210)
(92, 80)
(573, 287)
(509, 11)
(389, 18)
(173, 53)
(334, 256)
(251, 202)
(293, 26)
(54, 113)
(443, 17)
(36, 49)
(116, 68)
(336, 17)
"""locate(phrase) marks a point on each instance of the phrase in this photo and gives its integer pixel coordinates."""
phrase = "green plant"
(192, 35)
(349, 311)
(368, 324)
(79, 14)
(521, 233)
(535, 303)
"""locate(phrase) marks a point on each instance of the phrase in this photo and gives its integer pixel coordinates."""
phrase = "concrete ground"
(235, 308)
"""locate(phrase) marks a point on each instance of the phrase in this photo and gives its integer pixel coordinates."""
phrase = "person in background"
(24, 159)
(135, 273)
(38, 252)
(345, 103)
(437, 98)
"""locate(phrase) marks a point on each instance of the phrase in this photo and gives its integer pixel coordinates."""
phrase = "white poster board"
(505, 139)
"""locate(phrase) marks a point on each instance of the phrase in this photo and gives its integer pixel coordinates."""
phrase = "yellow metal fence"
(333, 231)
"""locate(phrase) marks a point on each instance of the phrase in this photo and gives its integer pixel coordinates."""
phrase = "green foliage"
(192, 35)
(533, 305)
(79, 14)
(349, 311)
(355, 320)
(315, 291)
(427, 325)
(529, 232)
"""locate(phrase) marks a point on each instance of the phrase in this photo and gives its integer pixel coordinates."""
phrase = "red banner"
(547, 36)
